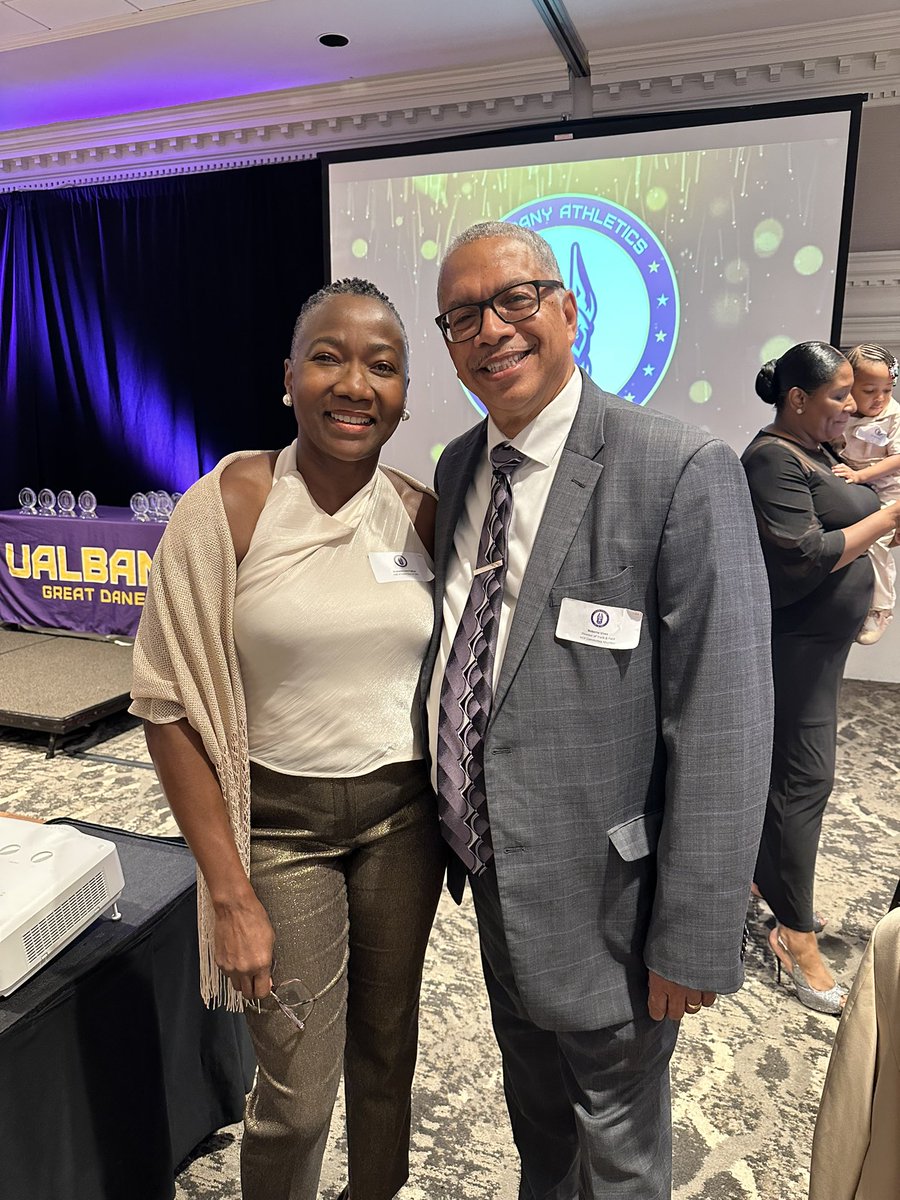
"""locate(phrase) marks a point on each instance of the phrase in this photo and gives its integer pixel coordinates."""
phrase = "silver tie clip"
(487, 567)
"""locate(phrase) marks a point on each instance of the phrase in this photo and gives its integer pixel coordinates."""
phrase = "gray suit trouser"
(590, 1111)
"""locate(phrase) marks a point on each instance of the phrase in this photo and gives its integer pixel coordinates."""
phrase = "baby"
(871, 454)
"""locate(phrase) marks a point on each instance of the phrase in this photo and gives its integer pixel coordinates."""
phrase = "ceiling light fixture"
(333, 39)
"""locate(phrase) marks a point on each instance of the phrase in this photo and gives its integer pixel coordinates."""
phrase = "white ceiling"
(69, 60)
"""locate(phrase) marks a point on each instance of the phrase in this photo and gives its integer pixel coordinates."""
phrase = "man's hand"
(673, 1000)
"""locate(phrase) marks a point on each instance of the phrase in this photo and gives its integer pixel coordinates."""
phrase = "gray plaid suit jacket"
(626, 788)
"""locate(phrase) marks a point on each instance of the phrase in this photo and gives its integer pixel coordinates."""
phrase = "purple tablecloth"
(64, 573)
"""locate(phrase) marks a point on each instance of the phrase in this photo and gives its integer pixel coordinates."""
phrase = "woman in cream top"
(319, 637)
(290, 659)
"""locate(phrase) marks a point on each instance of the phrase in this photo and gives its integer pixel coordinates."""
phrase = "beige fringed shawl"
(186, 666)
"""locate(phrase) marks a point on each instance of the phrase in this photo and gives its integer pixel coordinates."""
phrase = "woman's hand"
(244, 944)
(861, 535)
(846, 473)
(244, 937)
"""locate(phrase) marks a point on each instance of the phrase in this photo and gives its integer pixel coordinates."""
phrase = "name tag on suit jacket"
(601, 625)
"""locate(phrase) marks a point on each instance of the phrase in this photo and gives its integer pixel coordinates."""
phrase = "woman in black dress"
(815, 530)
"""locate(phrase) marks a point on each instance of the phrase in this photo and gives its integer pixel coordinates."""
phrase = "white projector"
(54, 881)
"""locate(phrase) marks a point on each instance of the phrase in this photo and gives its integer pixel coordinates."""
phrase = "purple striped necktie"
(467, 688)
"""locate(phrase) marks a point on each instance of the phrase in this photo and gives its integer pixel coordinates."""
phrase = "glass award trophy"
(165, 506)
(46, 503)
(87, 506)
(66, 502)
(139, 505)
(27, 500)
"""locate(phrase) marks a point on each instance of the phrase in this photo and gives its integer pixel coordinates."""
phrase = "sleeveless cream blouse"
(330, 658)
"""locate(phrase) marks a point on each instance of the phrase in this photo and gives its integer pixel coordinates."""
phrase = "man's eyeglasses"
(516, 303)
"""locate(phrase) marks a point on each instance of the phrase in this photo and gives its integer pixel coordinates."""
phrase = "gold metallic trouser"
(341, 866)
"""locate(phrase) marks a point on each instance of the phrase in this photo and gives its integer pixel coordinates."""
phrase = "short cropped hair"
(539, 247)
(352, 286)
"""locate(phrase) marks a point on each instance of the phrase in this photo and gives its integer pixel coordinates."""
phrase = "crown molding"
(872, 299)
(799, 61)
(877, 268)
(321, 102)
(284, 126)
(834, 57)
(793, 41)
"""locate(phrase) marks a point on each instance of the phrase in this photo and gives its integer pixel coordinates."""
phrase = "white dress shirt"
(542, 442)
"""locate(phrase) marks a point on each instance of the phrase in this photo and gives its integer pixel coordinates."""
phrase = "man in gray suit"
(599, 706)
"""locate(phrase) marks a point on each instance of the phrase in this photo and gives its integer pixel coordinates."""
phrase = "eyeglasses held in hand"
(295, 999)
(516, 303)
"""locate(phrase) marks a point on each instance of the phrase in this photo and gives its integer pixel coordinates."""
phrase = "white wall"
(872, 314)
(876, 211)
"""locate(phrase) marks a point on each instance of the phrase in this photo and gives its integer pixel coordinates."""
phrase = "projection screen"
(695, 253)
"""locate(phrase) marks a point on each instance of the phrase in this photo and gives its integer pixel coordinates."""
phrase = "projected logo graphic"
(625, 285)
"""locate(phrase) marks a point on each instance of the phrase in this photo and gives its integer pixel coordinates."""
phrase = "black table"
(111, 1068)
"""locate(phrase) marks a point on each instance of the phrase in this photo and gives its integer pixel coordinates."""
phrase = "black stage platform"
(57, 683)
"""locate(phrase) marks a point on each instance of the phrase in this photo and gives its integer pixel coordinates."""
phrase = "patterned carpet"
(746, 1075)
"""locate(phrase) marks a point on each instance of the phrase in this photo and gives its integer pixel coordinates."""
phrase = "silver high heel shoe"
(830, 1001)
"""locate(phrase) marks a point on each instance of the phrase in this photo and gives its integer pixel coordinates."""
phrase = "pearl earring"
(287, 401)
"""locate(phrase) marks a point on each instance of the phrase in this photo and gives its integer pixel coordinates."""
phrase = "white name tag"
(873, 434)
(396, 568)
(599, 625)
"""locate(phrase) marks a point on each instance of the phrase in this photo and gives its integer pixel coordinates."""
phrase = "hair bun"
(765, 382)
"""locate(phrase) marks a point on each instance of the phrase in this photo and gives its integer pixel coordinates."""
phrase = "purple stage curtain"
(144, 325)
